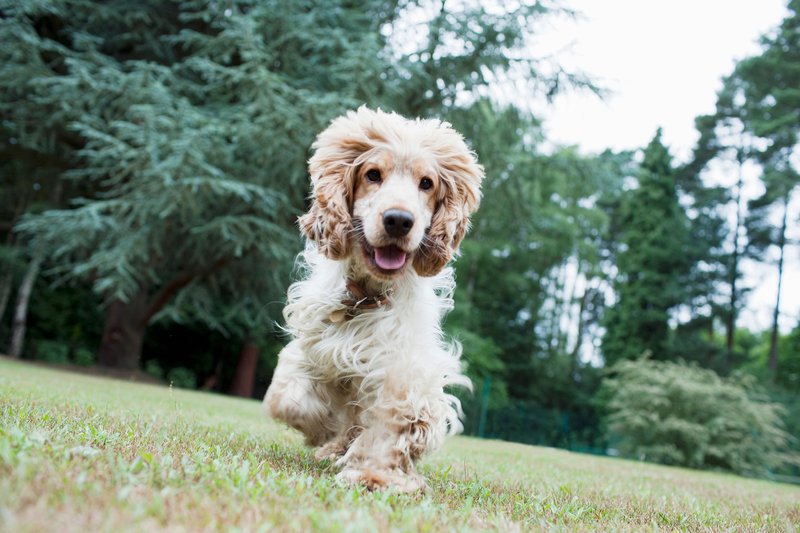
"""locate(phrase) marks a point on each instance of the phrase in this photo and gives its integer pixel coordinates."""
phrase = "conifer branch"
(169, 290)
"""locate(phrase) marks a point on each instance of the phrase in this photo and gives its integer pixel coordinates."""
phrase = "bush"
(182, 377)
(680, 414)
(51, 352)
(789, 400)
(154, 369)
(83, 357)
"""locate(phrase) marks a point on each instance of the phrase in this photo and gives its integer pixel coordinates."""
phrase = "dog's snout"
(397, 222)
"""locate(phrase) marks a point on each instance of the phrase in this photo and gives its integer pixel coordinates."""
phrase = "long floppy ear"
(460, 176)
(328, 221)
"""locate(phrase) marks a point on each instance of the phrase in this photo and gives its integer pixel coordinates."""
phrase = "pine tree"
(190, 123)
(185, 126)
(720, 141)
(653, 262)
(765, 95)
(537, 233)
(764, 235)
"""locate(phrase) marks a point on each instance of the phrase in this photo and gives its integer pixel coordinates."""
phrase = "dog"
(364, 375)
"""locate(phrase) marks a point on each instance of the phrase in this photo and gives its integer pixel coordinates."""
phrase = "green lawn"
(82, 453)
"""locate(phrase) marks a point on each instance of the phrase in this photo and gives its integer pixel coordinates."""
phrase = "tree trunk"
(123, 332)
(730, 318)
(5, 292)
(20, 321)
(556, 295)
(773, 338)
(575, 354)
(211, 381)
(245, 376)
(568, 309)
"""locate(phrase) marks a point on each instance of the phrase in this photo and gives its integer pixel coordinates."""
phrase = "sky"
(662, 62)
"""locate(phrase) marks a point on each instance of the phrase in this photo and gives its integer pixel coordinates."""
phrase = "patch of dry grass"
(81, 453)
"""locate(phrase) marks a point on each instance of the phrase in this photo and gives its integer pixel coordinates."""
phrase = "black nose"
(397, 222)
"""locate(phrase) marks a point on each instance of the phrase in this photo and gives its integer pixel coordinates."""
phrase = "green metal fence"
(531, 423)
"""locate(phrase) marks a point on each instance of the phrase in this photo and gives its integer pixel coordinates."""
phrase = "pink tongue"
(390, 257)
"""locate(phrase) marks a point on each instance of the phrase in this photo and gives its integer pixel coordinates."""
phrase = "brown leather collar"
(357, 300)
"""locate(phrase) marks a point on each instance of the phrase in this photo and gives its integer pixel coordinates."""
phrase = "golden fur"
(369, 389)
(352, 139)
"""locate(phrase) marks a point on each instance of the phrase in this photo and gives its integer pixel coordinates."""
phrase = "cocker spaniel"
(364, 376)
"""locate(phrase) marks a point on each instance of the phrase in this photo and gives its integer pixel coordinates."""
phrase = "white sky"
(663, 61)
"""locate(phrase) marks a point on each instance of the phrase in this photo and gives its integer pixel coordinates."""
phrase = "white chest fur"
(404, 333)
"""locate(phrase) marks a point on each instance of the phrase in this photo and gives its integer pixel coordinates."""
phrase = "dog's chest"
(370, 341)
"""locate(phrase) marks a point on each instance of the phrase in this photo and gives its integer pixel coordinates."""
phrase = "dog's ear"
(332, 168)
(460, 176)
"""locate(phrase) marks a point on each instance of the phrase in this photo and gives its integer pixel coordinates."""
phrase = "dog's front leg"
(298, 399)
(400, 426)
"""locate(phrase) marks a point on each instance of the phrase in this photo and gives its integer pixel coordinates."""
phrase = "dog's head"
(391, 191)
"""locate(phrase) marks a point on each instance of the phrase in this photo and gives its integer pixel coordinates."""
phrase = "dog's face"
(394, 201)
(391, 193)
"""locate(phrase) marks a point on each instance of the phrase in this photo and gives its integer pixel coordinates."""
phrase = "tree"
(27, 184)
(20, 318)
(530, 276)
(191, 124)
(764, 234)
(764, 93)
(447, 53)
(654, 261)
(723, 147)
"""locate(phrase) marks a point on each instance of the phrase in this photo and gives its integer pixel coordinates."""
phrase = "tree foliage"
(654, 261)
(763, 93)
(189, 124)
(532, 264)
(191, 132)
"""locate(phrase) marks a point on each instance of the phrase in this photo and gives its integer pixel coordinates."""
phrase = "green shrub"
(83, 357)
(680, 414)
(789, 400)
(154, 369)
(182, 377)
(51, 351)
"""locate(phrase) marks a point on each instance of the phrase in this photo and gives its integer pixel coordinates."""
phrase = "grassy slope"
(80, 453)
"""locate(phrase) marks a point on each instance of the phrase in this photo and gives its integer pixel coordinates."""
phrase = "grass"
(83, 453)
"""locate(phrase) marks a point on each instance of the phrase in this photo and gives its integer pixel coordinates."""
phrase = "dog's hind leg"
(296, 398)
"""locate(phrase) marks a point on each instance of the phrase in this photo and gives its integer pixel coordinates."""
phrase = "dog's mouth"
(387, 260)
(389, 257)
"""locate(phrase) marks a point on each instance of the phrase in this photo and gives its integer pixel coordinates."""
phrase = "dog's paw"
(393, 480)
(330, 451)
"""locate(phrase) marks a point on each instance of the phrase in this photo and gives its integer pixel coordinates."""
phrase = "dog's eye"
(425, 184)
(374, 175)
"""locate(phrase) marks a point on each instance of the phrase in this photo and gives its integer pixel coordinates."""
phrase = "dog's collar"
(357, 300)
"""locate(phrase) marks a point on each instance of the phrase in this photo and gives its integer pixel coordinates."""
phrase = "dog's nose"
(397, 222)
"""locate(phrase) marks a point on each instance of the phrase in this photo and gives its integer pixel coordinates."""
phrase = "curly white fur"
(370, 389)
